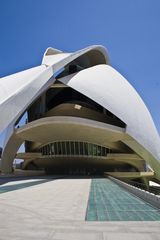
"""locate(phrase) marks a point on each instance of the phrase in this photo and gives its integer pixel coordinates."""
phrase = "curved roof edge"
(120, 98)
(37, 84)
(51, 51)
(53, 55)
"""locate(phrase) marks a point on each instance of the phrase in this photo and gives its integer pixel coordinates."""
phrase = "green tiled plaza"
(109, 202)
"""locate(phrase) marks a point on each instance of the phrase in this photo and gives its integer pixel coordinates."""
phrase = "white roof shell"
(101, 83)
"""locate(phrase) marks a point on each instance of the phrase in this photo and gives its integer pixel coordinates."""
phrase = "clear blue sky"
(129, 29)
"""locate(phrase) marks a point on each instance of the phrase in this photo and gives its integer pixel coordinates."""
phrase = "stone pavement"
(56, 210)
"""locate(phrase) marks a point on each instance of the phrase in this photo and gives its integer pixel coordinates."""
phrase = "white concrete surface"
(19, 90)
(57, 199)
(107, 87)
(56, 210)
(151, 183)
(98, 81)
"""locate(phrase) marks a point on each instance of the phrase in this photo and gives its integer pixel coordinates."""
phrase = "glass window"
(45, 150)
(98, 150)
(103, 151)
(59, 148)
(81, 148)
(56, 148)
(76, 148)
(49, 149)
(52, 149)
(72, 148)
(41, 150)
(68, 148)
(90, 149)
(85, 148)
(46, 147)
(94, 150)
(63, 148)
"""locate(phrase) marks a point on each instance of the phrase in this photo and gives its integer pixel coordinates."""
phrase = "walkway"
(54, 199)
(55, 209)
(109, 202)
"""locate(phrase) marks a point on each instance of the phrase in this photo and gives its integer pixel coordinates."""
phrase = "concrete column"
(9, 153)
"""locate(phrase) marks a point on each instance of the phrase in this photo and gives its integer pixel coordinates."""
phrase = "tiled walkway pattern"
(109, 202)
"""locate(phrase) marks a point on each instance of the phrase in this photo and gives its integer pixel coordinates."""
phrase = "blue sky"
(129, 29)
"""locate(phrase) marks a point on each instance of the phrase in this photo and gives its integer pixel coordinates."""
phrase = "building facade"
(81, 117)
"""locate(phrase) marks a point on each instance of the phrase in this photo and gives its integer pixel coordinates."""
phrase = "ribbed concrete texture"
(55, 209)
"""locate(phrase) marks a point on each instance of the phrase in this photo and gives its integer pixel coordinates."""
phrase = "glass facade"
(74, 148)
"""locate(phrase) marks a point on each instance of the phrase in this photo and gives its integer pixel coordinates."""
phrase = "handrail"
(151, 198)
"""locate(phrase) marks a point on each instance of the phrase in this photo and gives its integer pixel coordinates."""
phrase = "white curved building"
(82, 116)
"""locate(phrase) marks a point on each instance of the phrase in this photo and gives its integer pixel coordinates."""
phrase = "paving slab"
(56, 199)
(56, 210)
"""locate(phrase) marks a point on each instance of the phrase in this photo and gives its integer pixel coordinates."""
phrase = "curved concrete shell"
(19, 90)
(79, 88)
